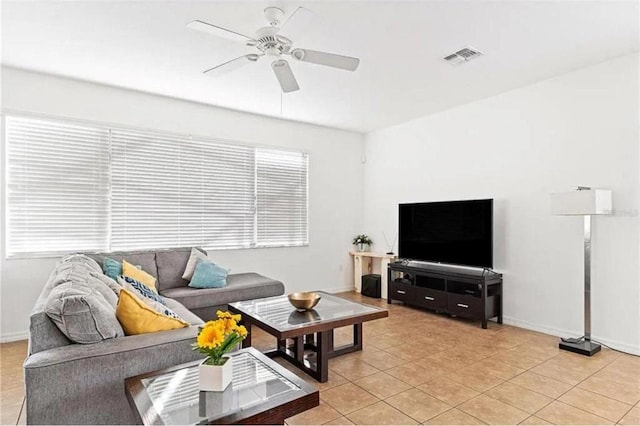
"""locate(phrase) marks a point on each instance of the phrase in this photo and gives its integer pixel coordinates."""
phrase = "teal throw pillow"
(208, 275)
(112, 268)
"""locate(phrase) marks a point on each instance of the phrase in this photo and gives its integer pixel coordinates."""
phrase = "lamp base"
(582, 347)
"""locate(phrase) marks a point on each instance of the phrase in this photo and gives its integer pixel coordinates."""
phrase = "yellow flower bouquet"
(218, 337)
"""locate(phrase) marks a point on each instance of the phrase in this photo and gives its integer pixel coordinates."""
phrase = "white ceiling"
(146, 46)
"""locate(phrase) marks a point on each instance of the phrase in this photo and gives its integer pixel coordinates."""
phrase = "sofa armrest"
(84, 384)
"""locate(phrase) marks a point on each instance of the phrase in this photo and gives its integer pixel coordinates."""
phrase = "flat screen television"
(454, 232)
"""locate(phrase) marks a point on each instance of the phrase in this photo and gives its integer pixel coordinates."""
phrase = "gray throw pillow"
(82, 313)
(102, 288)
(109, 282)
(82, 260)
(192, 262)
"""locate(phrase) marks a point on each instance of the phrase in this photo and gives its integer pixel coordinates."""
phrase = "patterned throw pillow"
(208, 275)
(138, 274)
(138, 317)
(139, 289)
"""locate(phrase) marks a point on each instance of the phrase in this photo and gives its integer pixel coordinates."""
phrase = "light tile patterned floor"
(420, 367)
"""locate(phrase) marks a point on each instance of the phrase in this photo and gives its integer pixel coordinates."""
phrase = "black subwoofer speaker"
(371, 285)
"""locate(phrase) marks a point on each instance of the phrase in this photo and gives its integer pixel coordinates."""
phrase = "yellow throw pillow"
(129, 270)
(136, 317)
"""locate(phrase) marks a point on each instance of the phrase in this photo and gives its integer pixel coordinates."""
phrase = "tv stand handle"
(401, 292)
(429, 298)
(462, 305)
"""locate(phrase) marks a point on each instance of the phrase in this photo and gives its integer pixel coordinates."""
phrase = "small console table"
(468, 293)
(365, 262)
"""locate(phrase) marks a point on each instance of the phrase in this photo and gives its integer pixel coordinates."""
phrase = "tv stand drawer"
(464, 306)
(431, 299)
(401, 291)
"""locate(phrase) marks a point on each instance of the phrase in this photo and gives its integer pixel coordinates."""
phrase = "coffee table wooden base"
(305, 339)
(311, 352)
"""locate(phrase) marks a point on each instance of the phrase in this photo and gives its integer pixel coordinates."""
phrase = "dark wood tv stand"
(469, 293)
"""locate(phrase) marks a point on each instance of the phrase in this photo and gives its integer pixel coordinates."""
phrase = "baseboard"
(339, 289)
(560, 332)
(14, 337)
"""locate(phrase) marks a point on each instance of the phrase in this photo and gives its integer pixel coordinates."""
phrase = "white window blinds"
(281, 179)
(57, 187)
(170, 191)
(77, 187)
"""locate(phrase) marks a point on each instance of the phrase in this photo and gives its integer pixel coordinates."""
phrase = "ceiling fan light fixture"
(298, 54)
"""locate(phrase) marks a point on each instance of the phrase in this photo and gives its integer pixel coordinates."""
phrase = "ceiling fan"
(271, 43)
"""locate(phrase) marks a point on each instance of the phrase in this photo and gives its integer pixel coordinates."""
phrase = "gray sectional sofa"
(72, 383)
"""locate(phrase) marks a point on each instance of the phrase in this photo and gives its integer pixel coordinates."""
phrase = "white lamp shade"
(581, 202)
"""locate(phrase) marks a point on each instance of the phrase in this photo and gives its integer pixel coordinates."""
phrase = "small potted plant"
(362, 241)
(215, 339)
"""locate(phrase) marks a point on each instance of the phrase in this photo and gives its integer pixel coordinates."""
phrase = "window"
(281, 180)
(170, 191)
(57, 190)
(118, 189)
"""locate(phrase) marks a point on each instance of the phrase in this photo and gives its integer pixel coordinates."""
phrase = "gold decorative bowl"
(304, 301)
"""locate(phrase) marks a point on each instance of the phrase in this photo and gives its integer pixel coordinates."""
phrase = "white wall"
(580, 128)
(335, 181)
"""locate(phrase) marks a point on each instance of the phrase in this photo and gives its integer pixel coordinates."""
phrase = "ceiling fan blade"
(297, 23)
(218, 31)
(285, 76)
(232, 65)
(328, 59)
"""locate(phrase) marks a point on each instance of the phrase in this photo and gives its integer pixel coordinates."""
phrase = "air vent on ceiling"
(463, 55)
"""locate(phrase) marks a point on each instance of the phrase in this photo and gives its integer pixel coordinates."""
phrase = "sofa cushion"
(139, 289)
(146, 260)
(183, 312)
(97, 284)
(112, 284)
(208, 275)
(132, 271)
(194, 257)
(81, 275)
(140, 317)
(239, 287)
(171, 266)
(80, 259)
(112, 268)
(82, 313)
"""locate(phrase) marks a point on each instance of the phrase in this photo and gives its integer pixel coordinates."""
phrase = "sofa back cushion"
(43, 333)
(146, 260)
(80, 305)
(82, 313)
(171, 266)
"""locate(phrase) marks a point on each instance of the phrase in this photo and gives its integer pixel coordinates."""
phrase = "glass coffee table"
(261, 392)
(306, 338)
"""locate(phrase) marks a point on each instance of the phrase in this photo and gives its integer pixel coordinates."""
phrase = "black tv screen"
(455, 232)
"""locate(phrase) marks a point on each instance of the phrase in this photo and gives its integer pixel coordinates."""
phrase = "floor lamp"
(583, 201)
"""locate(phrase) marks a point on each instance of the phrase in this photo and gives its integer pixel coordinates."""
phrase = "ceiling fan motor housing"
(271, 43)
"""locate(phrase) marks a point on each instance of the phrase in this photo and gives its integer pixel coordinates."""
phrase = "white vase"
(363, 247)
(215, 378)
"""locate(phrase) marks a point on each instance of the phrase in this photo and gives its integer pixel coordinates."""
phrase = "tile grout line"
(573, 387)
